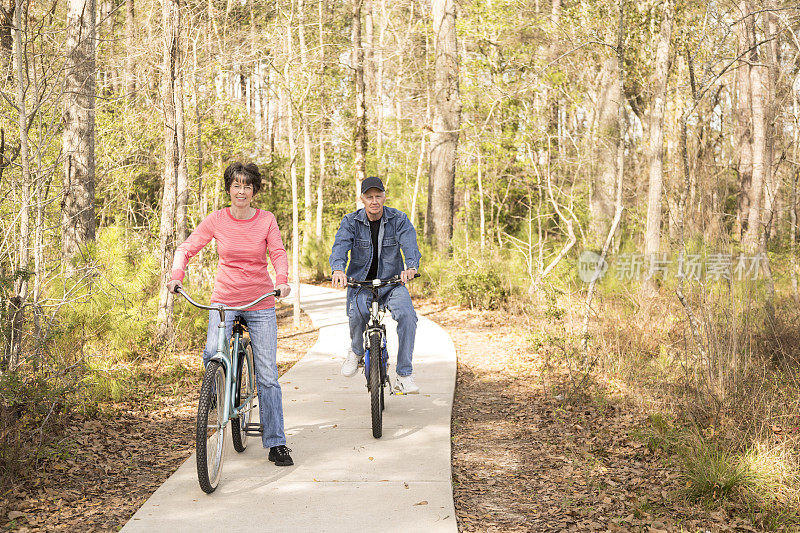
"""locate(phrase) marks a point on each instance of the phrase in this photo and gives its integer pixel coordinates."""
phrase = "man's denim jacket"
(396, 233)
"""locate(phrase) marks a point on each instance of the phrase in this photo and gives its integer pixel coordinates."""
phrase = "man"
(374, 236)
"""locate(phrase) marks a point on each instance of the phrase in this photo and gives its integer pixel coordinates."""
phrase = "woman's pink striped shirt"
(242, 246)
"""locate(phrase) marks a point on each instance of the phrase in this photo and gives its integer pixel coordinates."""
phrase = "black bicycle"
(375, 343)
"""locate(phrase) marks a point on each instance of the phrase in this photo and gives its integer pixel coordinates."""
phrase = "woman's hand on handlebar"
(338, 279)
(172, 285)
(285, 289)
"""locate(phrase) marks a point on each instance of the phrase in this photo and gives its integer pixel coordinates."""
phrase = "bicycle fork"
(382, 359)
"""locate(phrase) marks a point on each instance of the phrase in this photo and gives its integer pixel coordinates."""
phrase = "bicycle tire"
(375, 385)
(384, 371)
(243, 373)
(210, 438)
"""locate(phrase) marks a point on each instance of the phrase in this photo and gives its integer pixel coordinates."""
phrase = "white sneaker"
(351, 363)
(405, 385)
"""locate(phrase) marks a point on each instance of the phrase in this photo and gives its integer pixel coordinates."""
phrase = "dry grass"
(729, 386)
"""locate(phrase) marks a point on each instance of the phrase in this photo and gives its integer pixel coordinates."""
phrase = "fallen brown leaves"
(526, 460)
(523, 460)
(106, 466)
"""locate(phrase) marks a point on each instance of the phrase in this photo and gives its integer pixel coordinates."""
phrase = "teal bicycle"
(227, 395)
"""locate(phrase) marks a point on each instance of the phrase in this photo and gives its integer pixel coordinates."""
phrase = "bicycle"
(375, 336)
(224, 395)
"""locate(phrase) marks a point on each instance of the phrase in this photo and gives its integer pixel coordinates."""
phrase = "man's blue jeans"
(263, 329)
(398, 301)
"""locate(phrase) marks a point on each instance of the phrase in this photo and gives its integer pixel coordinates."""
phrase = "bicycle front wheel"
(375, 385)
(211, 427)
(243, 387)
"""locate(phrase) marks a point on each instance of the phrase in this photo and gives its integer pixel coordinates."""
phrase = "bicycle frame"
(230, 359)
(374, 323)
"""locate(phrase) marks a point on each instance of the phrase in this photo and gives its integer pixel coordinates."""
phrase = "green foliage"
(476, 282)
(481, 289)
(712, 472)
(30, 404)
(314, 259)
(105, 381)
(113, 313)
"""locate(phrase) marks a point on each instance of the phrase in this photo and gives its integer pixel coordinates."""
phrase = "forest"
(619, 178)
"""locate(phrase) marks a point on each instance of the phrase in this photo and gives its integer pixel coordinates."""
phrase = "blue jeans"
(263, 329)
(398, 301)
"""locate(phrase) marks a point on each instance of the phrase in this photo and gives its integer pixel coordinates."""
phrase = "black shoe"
(280, 455)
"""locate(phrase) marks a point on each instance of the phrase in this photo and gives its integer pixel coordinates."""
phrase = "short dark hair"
(248, 173)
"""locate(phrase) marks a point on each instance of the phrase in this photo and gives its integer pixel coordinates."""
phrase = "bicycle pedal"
(253, 430)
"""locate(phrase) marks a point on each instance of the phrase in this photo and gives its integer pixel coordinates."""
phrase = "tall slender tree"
(446, 123)
(17, 301)
(655, 147)
(171, 93)
(360, 134)
(759, 87)
(78, 220)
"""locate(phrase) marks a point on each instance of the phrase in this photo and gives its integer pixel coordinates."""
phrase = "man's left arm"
(407, 237)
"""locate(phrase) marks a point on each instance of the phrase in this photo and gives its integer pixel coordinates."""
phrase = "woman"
(245, 235)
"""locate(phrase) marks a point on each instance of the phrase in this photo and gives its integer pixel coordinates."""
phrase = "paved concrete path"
(343, 478)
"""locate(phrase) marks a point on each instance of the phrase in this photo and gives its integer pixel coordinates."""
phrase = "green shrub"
(314, 259)
(481, 289)
(114, 308)
(712, 472)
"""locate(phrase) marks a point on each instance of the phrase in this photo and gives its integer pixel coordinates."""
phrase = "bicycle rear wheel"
(211, 428)
(243, 376)
(375, 385)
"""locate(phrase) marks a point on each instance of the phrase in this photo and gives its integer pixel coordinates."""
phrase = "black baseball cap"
(372, 182)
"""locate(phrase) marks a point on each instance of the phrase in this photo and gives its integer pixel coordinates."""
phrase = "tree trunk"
(772, 180)
(130, 38)
(607, 134)
(369, 63)
(744, 132)
(287, 73)
(257, 111)
(420, 166)
(360, 135)
(793, 203)
(307, 163)
(446, 122)
(182, 185)
(759, 84)
(18, 301)
(171, 20)
(324, 122)
(655, 148)
(77, 219)
(7, 12)
(199, 140)
(480, 199)
(793, 220)
(619, 154)
(377, 55)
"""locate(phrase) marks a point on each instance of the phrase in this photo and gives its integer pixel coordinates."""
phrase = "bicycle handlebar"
(224, 307)
(376, 282)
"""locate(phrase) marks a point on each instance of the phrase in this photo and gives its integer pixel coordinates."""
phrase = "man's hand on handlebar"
(408, 275)
(172, 285)
(338, 279)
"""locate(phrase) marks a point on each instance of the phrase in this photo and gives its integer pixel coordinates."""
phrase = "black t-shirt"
(374, 227)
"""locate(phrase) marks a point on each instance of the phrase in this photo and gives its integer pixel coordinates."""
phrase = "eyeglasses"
(241, 186)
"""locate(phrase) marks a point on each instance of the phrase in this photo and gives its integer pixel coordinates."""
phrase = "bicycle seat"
(240, 322)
